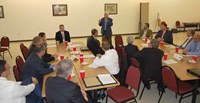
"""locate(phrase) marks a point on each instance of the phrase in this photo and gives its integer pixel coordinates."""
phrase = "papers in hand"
(106, 79)
(169, 62)
(88, 56)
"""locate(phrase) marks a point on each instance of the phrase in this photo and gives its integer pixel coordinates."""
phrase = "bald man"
(106, 24)
(193, 48)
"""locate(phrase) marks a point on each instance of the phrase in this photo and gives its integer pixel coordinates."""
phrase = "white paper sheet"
(169, 62)
(145, 45)
(106, 79)
(88, 56)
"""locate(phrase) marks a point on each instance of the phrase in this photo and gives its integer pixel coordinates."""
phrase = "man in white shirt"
(190, 34)
(10, 91)
(109, 60)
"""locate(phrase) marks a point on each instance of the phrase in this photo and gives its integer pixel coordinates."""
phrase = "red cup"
(66, 43)
(81, 59)
(82, 74)
(165, 56)
(195, 58)
(62, 57)
(74, 49)
(69, 77)
(81, 54)
(146, 39)
(176, 49)
(161, 43)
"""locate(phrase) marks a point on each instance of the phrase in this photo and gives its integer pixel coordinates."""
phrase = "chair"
(24, 51)
(16, 73)
(134, 62)
(19, 62)
(5, 43)
(123, 94)
(118, 41)
(178, 26)
(174, 84)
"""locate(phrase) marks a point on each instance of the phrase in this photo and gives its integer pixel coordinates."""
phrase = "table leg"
(195, 91)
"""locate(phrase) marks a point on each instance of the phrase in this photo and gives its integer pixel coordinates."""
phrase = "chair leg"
(180, 99)
(176, 95)
(160, 97)
(107, 99)
(135, 101)
(9, 53)
(142, 92)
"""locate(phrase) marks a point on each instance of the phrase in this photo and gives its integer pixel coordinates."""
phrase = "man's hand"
(34, 80)
(185, 51)
(84, 95)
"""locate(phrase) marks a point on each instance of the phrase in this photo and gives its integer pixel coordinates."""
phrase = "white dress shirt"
(13, 92)
(109, 60)
(63, 36)
(186, 42)
(144, 34)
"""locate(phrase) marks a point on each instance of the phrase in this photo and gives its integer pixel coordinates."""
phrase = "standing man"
(106, 24)
(62, 35)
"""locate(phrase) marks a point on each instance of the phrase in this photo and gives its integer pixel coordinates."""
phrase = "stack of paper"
(88, 56)
(169, 62)
(106, 79)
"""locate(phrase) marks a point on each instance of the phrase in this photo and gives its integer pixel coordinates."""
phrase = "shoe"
(147, 85)
(161, 88)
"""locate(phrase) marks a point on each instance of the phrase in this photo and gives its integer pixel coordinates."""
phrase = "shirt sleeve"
(99, 62)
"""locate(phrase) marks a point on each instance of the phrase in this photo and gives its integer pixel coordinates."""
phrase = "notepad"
(106, 79)
(91, 82)
(169, 62)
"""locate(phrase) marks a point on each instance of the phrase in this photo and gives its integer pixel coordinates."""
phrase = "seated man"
(146, 32)
(35, 67)
(109, 60)
(61, 90)
(151, 63)
(130, 49)
(47, 57)
(190, 34)
(164, 34)
(36, 41)
(10, 91)
(93, 43)
(62, 35)
(194, 47)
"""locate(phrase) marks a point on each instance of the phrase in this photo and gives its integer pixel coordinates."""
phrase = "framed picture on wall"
(1, 12)
(111, 8)
(59, 9)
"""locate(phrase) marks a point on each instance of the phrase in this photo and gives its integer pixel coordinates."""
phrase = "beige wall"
(26, 18)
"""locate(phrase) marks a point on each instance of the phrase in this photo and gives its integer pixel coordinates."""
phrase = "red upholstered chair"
(16, 73)
(24, 51)
(20, 62)
(134, 62)
(121, 94)
(118, 43)
(178, 26)
(5, 44)
(174, 84)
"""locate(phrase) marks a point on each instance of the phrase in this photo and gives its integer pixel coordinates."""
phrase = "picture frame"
(59, 10)
(111, 8)
(1, 12)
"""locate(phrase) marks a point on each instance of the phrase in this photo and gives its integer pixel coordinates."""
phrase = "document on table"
(106, 79)
(145, 45)
(88, 56)
(169, 62)
(91, 82)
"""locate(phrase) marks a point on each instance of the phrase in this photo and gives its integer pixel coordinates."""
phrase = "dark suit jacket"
(31, 49)
(150, 63)
(35, 67)
(190, 39)
(130, 50)
(148, 35)
(94, 46)
(47, 57)
(60, 38)
(108, 26)
(60, 90)
(168, 38)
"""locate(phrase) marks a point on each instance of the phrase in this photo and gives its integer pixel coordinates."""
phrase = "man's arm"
(99, 62)
(110, 22)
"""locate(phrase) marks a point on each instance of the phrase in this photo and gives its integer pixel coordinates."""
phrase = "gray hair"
(155, 43)
(64, 68)
(36, 39)
(130, 39)
(39, 48)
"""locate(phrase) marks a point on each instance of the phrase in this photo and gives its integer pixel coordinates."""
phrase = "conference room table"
(180, 68)
(89, 72)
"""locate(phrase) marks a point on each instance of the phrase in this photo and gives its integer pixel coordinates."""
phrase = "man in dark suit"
(93, 43)
(164, 34)
(35, 67)
(190, 34)
(151, 63)
(62, 35)
(130, 49)
(146, 32)
(61, 90)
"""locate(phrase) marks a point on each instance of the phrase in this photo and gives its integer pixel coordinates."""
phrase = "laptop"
(194, 71)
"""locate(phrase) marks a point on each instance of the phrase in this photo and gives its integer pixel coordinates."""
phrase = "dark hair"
(2, 66)
(93, 31)
(192, 31)
(39, 48)
(147, 24)
(42, 34)
(164, 23)
(61, 25)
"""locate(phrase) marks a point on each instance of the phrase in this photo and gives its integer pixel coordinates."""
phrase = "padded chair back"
(133, 77)
(118, 41)
(134, 62)
(169, 78)
(5, 41)
(16, 73)
(19, 62)
(24, 51)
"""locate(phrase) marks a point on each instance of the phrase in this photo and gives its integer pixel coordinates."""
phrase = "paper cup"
(62, 57)
(81, 54)
(161, 43)
(81, 59)
(146, 39)
(82, 74)
(165, 56)
(74, 49)
(69, 77)
(66, 43)
(176, 49)
(195, 58)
